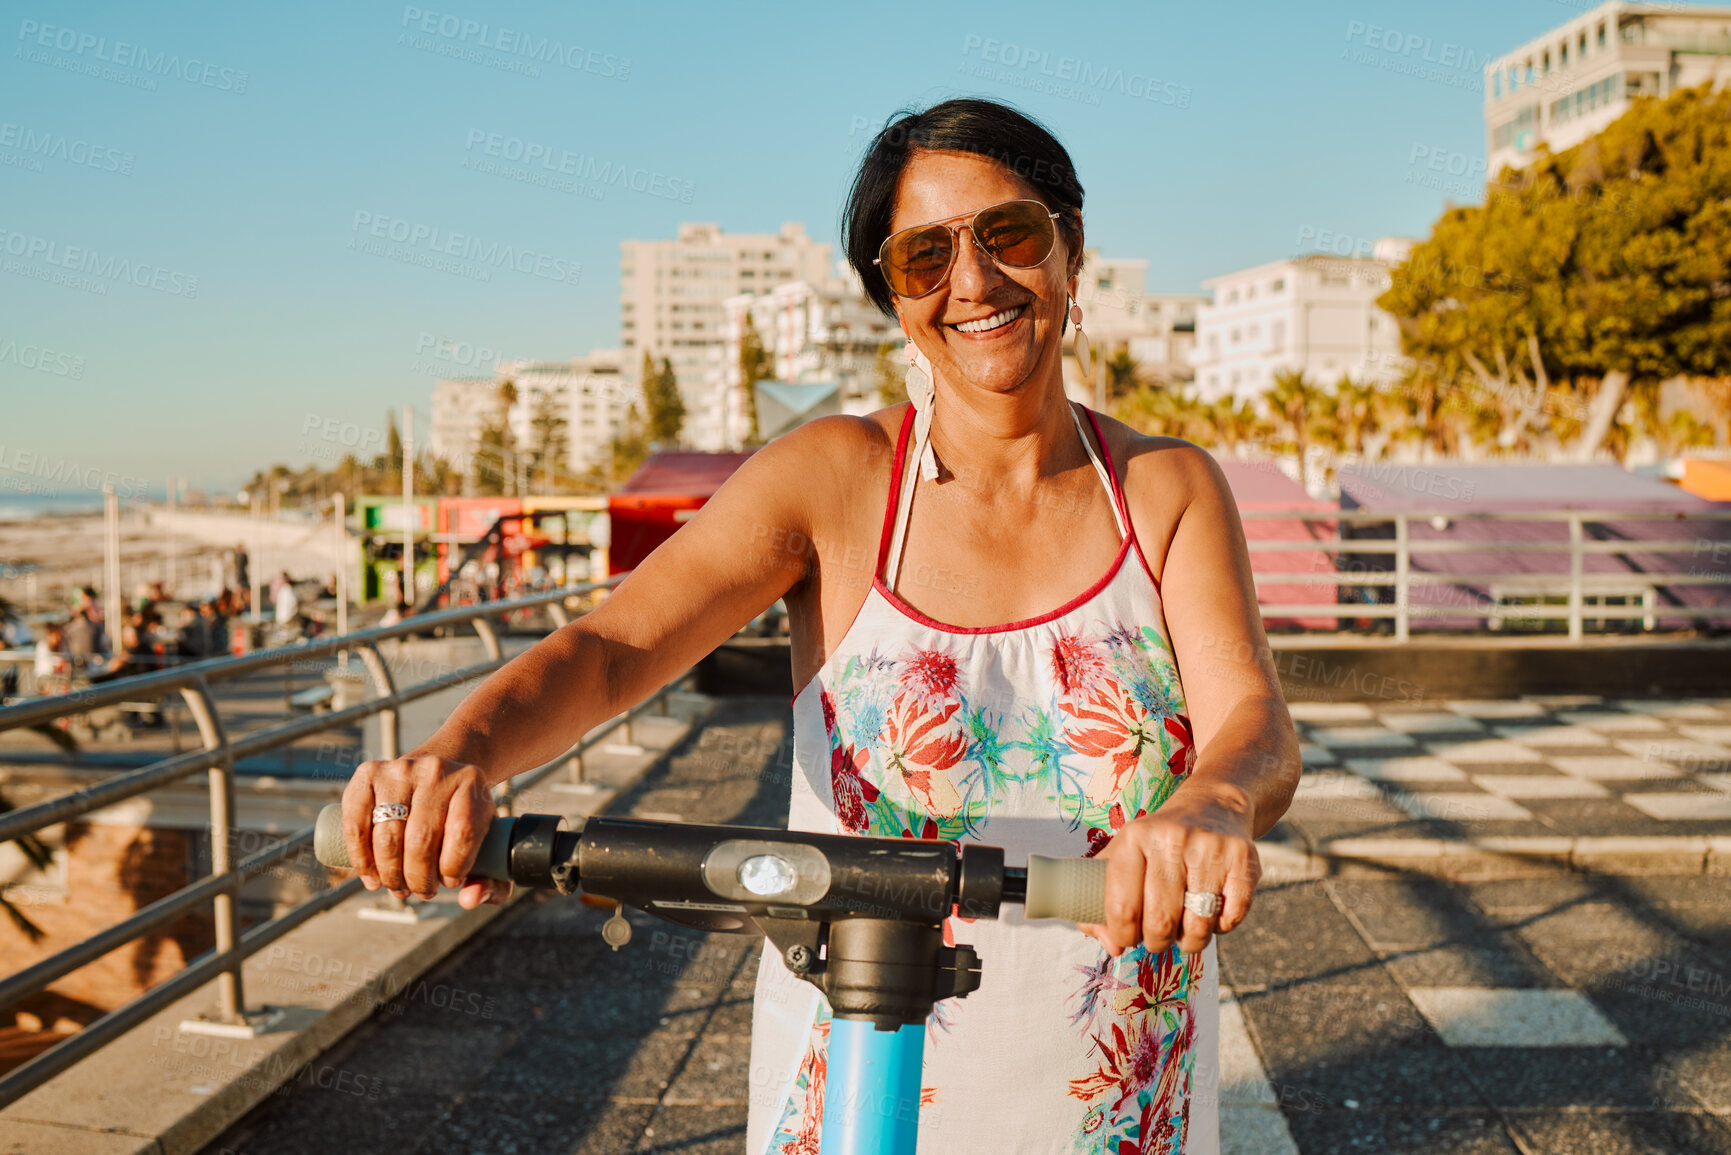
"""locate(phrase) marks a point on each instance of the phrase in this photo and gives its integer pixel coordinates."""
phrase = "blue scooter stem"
(871, 1098)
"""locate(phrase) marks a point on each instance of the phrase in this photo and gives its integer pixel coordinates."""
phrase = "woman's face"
(939, 186)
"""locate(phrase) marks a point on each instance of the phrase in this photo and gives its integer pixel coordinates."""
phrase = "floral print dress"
(1041, 736)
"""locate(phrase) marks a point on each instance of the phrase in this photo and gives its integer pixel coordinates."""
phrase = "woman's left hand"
(1199, 840)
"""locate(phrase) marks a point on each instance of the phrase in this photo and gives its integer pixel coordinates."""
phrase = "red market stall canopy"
(1261, 487)
(666, 491)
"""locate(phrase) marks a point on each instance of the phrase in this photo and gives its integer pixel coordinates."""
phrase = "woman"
(1007, 672)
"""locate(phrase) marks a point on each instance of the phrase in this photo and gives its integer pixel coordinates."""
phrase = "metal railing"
(1576, 585)
(219, 888)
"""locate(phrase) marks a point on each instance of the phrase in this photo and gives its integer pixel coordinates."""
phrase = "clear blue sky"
(1268, 120)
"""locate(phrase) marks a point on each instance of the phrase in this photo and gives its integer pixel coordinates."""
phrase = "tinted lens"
(1018, 234)
(915, 260)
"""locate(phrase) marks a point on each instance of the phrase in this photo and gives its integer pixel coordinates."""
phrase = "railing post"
(231, 997)
(1575, 583)
(1402, 585)
(489, 638)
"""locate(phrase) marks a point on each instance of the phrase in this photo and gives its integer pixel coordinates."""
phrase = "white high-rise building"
(672, 296)
(1561, 88)
(591, 393)
(1314, 314)
(825, 333)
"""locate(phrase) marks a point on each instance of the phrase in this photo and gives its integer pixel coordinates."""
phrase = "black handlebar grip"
(493, 860)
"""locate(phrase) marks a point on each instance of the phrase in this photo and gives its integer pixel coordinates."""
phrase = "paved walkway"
(1375, 1010)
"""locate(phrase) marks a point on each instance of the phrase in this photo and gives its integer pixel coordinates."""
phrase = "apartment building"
(825, 333)
(592, 393)
(1119, 315)
(672, 301)
(1314, 314)
(1559, 89)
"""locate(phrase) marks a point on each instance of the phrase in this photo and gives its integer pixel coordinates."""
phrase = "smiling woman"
(1056, 650)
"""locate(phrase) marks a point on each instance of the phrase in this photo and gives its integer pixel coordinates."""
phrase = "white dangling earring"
(1084, 351)
(921, 393)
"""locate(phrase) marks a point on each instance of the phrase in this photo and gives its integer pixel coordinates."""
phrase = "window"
(1235, 335)
(1277, 336)
(1256, 332)
(1581, 47)
(1232, 297)
(1279, 285)
(1601, 34)
(1563, 54)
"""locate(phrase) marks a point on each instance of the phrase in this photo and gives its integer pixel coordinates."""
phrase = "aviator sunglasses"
(1016, 234)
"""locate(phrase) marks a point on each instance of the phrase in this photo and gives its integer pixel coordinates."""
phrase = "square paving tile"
(1719, 734)
(1323, 784)
(1461, 807)
(1539, 786)
(1553, 735)
(1679, 805)
(1313, 755)
(1326, 712)
(1338, 738)
(1680, 751)
(1614, 766)
(1486, 750)
(1474, 1017)
(1672, 708)
(1430, 722)
(1614, 723)
(1494, 708)
(1410, 768)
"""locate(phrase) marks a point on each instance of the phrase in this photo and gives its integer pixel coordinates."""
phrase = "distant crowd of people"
(79, 648)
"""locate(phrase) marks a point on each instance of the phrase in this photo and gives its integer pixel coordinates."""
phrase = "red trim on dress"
(883, 540)
(895, 490)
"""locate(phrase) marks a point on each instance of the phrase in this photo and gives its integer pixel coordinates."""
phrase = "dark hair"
(984, 127)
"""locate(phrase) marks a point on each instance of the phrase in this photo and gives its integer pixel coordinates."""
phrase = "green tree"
(492, 467)
(755, 364)
(662, 400)
(629, 446)
(1122, 374)
(1603, 265)
(551, 445)
(891, 372)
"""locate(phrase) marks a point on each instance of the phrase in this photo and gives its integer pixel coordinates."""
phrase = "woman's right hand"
(450, 809)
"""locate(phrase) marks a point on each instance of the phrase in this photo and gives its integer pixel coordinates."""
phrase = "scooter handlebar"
(1071, 889)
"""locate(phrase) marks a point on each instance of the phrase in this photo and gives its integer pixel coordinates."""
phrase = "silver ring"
(391, 812)
(1201, 904)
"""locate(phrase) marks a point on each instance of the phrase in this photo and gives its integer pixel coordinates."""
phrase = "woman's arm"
(1247, 758)
(746, 547)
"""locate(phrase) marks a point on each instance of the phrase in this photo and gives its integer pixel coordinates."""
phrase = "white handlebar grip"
(1073, 889)
(328, 845)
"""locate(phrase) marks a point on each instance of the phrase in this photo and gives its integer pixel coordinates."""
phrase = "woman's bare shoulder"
(1172, 467)
(840, 446)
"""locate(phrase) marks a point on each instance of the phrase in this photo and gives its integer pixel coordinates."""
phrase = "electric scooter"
(858, 918)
